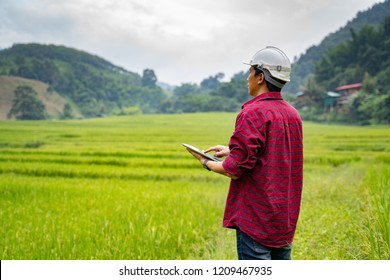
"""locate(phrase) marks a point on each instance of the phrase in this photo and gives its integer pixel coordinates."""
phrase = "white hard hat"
(275, 61)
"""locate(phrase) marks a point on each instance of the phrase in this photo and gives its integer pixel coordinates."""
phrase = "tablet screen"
(199, 151)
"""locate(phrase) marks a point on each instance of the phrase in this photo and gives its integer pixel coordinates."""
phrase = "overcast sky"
(181, 40)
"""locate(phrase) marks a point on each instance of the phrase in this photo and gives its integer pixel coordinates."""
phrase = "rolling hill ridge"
(95, 85)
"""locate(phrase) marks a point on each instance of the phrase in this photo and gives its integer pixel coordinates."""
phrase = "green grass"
(125, 188)
(378, 212)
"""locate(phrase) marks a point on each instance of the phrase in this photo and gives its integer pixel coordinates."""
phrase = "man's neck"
(261, 91)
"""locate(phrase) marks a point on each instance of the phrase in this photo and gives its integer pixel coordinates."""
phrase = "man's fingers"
(215, 148)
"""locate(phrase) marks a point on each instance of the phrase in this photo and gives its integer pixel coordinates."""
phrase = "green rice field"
(124, 188)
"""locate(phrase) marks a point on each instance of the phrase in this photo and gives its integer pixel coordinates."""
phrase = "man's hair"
(271, 87)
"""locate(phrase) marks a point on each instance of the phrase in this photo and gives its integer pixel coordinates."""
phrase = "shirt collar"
(264, 96)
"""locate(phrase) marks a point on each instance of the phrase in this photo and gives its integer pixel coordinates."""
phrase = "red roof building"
(349, 89)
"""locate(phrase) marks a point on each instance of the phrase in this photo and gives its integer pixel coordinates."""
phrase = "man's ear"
(260, 79)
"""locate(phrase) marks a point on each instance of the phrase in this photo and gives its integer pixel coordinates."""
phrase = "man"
(264, 159)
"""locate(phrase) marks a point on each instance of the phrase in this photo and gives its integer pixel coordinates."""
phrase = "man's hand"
(219, 151)
(217, 167)
(197, 156)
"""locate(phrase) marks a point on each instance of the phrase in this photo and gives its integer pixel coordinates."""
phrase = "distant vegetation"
(55, 104)
(366, 53)
(26, 105)
(304, 66)
(100, 88)
(93, 84)
(365, 58)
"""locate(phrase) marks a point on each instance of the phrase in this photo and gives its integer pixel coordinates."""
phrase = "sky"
(183, 41)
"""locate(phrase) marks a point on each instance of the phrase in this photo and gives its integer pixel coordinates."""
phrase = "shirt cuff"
(231, 167)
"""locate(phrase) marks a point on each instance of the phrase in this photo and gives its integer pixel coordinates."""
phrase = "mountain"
(95, 85)
(53, 101)
(305, 65)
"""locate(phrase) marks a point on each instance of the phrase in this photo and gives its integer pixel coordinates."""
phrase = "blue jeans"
(248, 249)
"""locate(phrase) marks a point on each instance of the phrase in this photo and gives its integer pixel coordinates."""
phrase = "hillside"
(305, 65)
(54, 103)
(95, 85)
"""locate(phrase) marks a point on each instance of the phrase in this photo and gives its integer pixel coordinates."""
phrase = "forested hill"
(305, 65)
(63, 54)
(95, 85)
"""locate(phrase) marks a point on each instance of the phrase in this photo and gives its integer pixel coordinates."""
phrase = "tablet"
(199, 151)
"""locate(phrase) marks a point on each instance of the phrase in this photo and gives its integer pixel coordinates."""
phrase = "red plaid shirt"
(266, 153)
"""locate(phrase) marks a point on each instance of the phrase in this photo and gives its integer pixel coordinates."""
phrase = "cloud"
(183, 41)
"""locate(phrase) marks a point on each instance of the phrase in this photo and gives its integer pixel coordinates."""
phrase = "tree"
(314, 93)
(149, 78)
(67, 112)
(185, 89)
(212, 82)
(370, 84)
(26, 105)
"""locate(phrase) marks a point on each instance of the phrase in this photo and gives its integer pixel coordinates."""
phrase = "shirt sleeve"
(246, 144)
